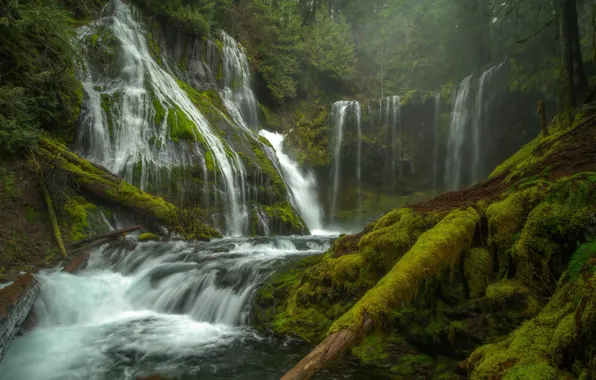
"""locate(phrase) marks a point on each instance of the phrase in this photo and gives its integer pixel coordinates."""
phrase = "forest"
(297, 189)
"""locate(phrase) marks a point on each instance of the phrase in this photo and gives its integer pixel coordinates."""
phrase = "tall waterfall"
(237, 93)
(480, 122)
(136, 111)
(436, 142)
(303, 185)
(457, 134)
(467, 131)
(359, 158)
(339, 114)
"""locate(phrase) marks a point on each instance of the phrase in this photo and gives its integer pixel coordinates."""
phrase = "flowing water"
(339, 117)
(460, 118)
(302, 185)
(436, 142)
(237, 93)
(179, 309)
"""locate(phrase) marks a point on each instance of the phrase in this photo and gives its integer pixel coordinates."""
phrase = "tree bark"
(542, 117)
(50, 205)
(582, 81)
(328, 350)
(112, 234)
(566, 83)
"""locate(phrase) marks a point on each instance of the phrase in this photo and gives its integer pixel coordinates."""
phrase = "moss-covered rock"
(149, 237)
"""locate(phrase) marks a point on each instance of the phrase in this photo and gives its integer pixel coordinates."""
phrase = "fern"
(580, 257)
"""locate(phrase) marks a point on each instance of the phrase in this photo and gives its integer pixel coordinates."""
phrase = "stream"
(178, 309)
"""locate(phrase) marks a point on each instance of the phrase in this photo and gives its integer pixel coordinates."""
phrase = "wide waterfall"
(178, 309)
(339, 113)
(237, 93)
(136, 111)
(302, 184)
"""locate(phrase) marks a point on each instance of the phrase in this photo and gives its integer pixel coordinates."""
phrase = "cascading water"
(480, 123)
(136, 111)
(338, 118)
(237, 94)
(359, 159)
(177, 309)
(303, 185)
(457, 134)
(436, 142)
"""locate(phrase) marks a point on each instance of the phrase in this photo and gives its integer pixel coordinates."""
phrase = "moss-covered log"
(435, 251)
(100, 183)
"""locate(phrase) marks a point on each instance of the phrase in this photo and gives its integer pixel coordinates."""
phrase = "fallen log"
(107, 236)
(436, 250)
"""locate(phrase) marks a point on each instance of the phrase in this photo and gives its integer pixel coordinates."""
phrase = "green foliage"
(38, 87)
(277, 30)
(329, 47)
(580, 257)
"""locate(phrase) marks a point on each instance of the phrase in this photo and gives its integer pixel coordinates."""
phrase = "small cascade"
(460, 118)
(237, 93)
(339, 114)
(178, 309)
(436, 142)
(303, 186)
(480, 123)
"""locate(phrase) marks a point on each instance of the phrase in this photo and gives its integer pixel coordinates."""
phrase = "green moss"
(149, 237)
(181, 127)
(531, 156)
(436, 250)
(9, 183)
(371, 350)
(391, 237)
(100, 183)
(540, 345)
(154, 48)
(309, 140)
(284, 213)
(209, 162)
(77, 210)
(478, 268)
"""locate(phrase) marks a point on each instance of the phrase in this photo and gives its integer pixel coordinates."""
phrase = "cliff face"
(511, 295)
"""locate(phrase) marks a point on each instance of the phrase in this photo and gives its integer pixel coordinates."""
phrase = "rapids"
(178, 309)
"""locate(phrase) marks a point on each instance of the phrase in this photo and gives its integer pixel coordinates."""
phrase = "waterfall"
(179, 309)
(302, 185)
(480, 123)
(237, 94)
(338, 118)
(359, 159)
(395, 145)
(436, 142)
(135, 112)
(457, 134)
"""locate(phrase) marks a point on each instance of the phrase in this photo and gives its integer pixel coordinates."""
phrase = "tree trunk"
(328, 350)
(542, 118)
(566, 83)
(108, 235)
(483, 33)
(582, 82)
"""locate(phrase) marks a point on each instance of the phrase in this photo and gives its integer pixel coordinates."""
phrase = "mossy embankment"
(488, 282)
(84, 195)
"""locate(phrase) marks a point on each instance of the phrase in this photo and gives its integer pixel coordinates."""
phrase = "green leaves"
(581, 256)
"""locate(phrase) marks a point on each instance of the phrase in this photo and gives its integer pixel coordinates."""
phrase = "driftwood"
(328, 350)
(107, 236)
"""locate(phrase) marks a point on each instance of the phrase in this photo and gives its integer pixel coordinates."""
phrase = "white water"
(338, 118)
(237, 94)
(137, 82)
(172, 308)
(479, 124)
(436, 142)
(302, 185)
(359, 159)
(457, 134)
